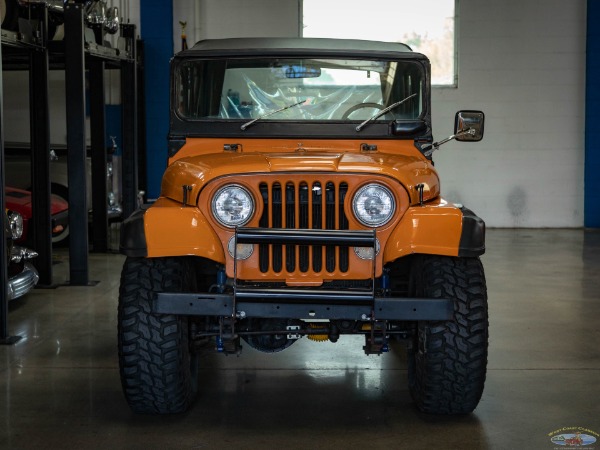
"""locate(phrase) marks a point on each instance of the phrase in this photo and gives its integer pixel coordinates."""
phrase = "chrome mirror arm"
(430, 148)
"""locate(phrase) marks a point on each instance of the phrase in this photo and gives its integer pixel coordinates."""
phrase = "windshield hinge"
(232, 147)
(364, 147)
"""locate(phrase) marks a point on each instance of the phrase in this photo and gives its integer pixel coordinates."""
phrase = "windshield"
(298, 89)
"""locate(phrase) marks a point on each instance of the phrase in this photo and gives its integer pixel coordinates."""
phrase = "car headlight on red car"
(15, 220)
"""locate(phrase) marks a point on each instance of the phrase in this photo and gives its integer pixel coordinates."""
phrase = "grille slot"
(303, 205)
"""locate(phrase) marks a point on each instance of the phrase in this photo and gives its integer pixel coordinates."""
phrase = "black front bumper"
(289, 303)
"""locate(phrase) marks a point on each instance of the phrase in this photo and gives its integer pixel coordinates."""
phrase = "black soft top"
(180, 128)
(299, 46)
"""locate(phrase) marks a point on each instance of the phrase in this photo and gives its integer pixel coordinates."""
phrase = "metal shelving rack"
(31, 50)
(26, 49)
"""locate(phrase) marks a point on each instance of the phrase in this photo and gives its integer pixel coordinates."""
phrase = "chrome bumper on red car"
(23, 282)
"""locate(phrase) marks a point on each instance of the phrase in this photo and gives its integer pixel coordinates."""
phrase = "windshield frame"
(281, 127)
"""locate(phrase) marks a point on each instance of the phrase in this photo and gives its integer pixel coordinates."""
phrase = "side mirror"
(468, 126)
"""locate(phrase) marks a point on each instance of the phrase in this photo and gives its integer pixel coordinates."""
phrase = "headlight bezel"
(233, 224)
(15, 222)
(388, 216)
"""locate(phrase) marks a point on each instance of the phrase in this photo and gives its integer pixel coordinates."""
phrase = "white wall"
(185, 11)
(523, 64)
(215, 19)
(16, 106)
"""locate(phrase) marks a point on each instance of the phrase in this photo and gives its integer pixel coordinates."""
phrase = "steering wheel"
(361, 106)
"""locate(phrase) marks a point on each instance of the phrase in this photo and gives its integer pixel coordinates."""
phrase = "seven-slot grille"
(315, 205)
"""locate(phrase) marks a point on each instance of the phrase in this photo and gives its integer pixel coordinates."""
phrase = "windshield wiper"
(247, 124)
(383, 111)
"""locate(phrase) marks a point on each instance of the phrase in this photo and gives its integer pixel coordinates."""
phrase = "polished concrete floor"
(60, 388)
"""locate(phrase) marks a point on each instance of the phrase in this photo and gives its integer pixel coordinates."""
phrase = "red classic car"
(20, 200)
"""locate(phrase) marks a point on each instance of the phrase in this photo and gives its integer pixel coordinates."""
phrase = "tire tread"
(449, 369)
(154, 356)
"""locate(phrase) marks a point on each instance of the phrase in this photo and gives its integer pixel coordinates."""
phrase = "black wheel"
(361, 106)
(448, 359)
(158, 371)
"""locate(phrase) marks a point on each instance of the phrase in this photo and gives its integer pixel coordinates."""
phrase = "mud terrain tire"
(447, 360)
(156, 367)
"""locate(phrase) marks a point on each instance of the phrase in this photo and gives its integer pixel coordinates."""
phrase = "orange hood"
(196, 171)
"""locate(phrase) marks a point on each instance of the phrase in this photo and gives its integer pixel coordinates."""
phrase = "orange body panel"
(203, 146)
(172, 229)
(434, 228)
(202, 160)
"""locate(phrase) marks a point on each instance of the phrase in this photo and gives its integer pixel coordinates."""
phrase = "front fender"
(438, 228)
(133, 237)
(168, 228)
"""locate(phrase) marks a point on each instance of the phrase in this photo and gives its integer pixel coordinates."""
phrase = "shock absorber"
(221, 280)
(385, 283)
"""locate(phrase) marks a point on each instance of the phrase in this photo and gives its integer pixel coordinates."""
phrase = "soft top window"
(297, 89)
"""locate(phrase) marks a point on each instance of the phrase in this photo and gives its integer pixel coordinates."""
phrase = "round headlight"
(232, 205)
(373, 205)
(15, 221)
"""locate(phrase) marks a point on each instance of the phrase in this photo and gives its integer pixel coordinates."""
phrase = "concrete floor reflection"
(60, 388)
